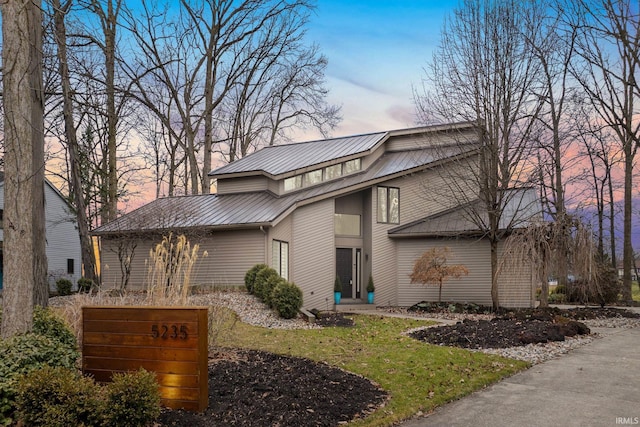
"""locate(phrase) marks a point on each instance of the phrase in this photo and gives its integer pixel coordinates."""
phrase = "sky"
(376, 51)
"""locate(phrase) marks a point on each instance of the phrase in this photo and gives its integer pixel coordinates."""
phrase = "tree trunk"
(112, 117)
(627, 248)
(25, 261)
(88, 256)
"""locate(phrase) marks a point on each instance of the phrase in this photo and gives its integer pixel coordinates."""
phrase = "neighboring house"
(634, 269)
(62, 239)
(353, 206)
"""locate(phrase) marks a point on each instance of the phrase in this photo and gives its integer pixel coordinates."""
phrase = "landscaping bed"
(256, 388)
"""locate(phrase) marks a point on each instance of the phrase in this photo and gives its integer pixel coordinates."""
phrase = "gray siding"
(420, 140)
(516, 287)
(284, 232)
(242, 185)
(383, 258)
(313, 254)
(229, 255)
(474, 254)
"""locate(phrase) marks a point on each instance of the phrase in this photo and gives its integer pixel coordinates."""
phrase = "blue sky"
(376, 52)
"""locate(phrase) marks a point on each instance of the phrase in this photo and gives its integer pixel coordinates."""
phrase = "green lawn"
(635, 291)
(418, 376)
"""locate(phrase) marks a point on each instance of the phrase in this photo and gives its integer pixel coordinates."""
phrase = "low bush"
(85, 284)
(605, 289)
(63, 397)
(286, 299)
(250, 276)
(132, 399)
(63, 286)
(58, 397)
(262, 287)
(268, 287)
(51, 343)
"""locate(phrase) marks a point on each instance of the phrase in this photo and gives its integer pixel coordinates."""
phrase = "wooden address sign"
(170, 341)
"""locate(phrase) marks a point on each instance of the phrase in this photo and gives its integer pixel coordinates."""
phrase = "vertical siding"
(473, 254)
(229, 255)
(516, 287)
(313, 254)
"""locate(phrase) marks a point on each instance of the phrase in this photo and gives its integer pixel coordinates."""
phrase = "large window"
(280, 258)
(347, 225)
(388, 205)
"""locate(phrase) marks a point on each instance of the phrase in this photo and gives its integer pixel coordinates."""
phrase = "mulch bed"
(255, 388)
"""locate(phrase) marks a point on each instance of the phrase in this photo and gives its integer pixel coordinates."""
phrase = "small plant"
(250, 276)
(370, 286)
(85, 284)
(132, 399)
(337, 285)
(268, 288)
(63, 286)
(287, 299)
(48, 323)
(432, 268)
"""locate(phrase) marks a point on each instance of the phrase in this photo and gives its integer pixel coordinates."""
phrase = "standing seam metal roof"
(280, 159)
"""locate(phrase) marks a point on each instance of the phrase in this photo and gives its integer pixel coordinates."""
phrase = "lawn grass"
(417, 376)
(635, 291)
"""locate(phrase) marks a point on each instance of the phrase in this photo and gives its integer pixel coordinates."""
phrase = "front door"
(344, 270)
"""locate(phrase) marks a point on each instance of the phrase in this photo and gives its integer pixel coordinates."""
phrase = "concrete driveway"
(595, 385)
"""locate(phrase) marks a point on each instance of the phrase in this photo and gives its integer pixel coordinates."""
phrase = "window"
(313, 177)
(1, 218)
(331, 172)
(352, 166)
(388, 205)
(293, 183)
(280, 258)
(347, 225)
(70, 266)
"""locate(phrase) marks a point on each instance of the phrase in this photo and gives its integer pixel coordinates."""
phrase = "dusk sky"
(376, 51)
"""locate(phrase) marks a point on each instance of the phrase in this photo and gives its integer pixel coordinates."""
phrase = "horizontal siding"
(383, 258)
(229, 256)
(473, 254)
(415, 141)
(242, 185)
(313, 254)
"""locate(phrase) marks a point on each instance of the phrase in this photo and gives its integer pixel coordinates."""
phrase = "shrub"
(603, 290)
(250, 277)
(261, 285)
(24, 353)
(49, 324)
(287, 299)
(85, 284)
(63, 287)
(58, 397)
(268, 288)
(132, 399)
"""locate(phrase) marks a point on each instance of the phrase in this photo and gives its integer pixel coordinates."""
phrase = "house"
(352, 207)
(635, 268)
(62, 239)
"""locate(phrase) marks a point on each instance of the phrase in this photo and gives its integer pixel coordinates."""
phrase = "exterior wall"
(411, 142)
(242, 185)
(284, 232)
(62, 239)
(383, 256)
(313, 254)
(473, 254)
(229, 255)
(514, 286)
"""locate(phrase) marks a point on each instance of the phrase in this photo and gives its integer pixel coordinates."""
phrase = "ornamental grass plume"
(169, 269)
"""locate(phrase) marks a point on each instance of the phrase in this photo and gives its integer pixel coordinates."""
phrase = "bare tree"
(76, 188)
(485, 71)
(432, 268)
(608, 45)
(25, 261)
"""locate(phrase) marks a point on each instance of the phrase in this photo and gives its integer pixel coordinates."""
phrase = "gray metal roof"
(279, 159)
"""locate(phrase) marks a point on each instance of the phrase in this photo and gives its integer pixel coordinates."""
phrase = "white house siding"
(313, 254)
(473, 254)
(242, 185)
(62, 239)
(229, 255)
